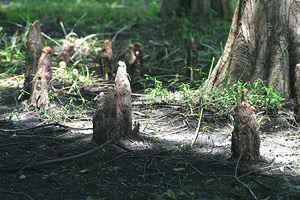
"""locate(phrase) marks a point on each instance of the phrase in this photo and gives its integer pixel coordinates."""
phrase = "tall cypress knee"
(123, 100)
(113, 119)
(33, 53)
(39, 96)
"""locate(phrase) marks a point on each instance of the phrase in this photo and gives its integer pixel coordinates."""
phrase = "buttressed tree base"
(263, 43)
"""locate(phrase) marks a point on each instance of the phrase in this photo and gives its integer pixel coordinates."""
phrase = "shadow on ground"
(151, 168)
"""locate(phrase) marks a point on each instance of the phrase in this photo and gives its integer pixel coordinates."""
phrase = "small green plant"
(260, 95)
(156, 90)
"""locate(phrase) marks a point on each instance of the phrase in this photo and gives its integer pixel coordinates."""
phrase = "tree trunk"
(33, 53)
(263, 43)
(297, 92)
(198, 8)
(41, 83)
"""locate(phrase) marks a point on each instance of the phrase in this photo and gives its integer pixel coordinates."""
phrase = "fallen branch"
(58, 160)
(29, 129)
(43, 126)
(202, 107)
(238, 180)
(16, 193)
(46, 162)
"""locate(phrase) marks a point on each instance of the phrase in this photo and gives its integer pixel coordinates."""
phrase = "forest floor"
(43, 158)
(159, 165)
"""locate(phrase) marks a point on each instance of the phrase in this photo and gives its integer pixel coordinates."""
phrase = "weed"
(221, 100)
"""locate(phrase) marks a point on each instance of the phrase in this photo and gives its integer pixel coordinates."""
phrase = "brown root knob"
(47, 50)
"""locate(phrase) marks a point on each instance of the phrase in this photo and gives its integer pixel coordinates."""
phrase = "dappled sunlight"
(145, 99)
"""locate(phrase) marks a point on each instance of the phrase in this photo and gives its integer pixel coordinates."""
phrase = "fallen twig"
(58, 160)
(16, 193)
(71, 157)
(238, 180)
(29, 129)
(43, 126)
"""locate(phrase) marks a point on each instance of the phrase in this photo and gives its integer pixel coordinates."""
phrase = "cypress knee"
(106, 55)
(39, 96)
(105, 121)
(113, 116)
(245, 141)
(33, 53)
(134, 61)
(123, 100)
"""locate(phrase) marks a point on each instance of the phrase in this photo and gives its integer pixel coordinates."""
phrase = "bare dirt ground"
(41, 159)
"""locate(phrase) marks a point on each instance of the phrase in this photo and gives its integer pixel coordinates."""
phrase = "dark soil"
(159, 165)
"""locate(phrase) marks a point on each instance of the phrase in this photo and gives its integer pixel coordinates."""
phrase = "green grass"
(164, 40)
(91, 14)
(221, 101)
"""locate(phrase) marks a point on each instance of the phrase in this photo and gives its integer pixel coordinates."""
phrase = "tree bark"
(41, 83)
(245, 140)
(33, 53)
(106, 63)
(105, 119)
(134, 61)
(123, 101)
(263, 43)
(113, 118)
(198, 8)
(297, 92)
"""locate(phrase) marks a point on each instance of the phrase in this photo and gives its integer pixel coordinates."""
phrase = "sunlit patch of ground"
(159, 164)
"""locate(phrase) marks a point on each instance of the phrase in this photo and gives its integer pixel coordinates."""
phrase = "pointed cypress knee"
(113, 119)
(123, 101)
(39, 96)
(33, 53)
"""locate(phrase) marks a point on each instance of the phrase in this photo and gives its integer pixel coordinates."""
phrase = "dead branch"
(16, 193)
(58, 160)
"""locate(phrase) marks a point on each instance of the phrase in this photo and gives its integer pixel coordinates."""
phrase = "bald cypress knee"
(105, 119)
(106, 63)
(245, 141)
(113, 119)
(39, 96)
(134, 61)
(123, 100)
(33, 53)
